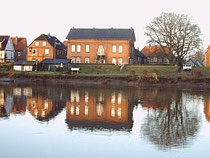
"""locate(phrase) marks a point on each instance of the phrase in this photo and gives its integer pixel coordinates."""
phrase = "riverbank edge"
(123, 81)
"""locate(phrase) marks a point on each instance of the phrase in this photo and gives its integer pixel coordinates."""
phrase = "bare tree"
(176, 36)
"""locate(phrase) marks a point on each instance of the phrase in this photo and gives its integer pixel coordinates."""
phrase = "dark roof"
(101, 34)
(3, 40)
(25, 63)
(56, 61)
(93, 125)
(139, 53)
(52, 40)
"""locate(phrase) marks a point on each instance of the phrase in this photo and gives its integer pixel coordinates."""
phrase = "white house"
(6, 49)
(24, 66)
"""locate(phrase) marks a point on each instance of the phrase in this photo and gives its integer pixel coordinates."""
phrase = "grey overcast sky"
(30, 18)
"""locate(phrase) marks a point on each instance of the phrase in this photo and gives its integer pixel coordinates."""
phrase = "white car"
(187, 67)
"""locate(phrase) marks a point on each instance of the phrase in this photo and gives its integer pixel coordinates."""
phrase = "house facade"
(155, 55)
(207, 57)
(46, 47)
(102, 46)
(20, 46)
(6, 49)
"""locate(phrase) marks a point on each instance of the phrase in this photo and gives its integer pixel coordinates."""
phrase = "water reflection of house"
(43, 108)
(19, 92)
(85, 110)
(207, 107)
(19, 106)
(6, 104)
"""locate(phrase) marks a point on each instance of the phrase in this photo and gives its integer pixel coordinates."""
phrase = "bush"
(196, 74)
(132, 73)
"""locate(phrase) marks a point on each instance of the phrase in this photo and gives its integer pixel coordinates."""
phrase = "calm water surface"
(50, 122)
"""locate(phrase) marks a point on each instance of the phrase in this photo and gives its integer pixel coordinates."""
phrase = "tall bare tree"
(176, 35)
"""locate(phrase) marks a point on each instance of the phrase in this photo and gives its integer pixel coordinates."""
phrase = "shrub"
(132, 73)
(196, 74)
(12, 74)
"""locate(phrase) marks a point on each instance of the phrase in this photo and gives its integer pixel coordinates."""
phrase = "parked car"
(187, 67)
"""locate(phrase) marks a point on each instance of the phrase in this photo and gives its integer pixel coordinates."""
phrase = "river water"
(61, 121)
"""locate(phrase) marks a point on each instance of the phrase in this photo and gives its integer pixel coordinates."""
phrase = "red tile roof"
(152, 51)
(19, 43)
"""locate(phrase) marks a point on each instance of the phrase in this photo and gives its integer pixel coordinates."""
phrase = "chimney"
(16, 40)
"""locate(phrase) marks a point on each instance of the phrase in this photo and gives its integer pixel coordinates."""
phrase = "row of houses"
(101, 46)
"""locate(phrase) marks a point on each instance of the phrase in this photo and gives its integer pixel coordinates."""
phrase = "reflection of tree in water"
(172, 125)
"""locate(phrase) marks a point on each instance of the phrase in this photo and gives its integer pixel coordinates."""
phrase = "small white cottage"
(24, 66)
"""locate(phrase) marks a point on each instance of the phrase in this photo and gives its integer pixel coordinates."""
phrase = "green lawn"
(114, 70)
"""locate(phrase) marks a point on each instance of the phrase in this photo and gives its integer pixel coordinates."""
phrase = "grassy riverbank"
(91, 70)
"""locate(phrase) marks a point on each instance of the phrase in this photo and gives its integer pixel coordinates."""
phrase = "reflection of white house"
(1, 97)
(6, 49)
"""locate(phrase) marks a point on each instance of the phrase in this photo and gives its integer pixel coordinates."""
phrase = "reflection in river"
(166, 118)
(170, 121)
(102, 109)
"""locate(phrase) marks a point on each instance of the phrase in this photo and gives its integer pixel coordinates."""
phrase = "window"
(19, 53)
(114, 48)
(78, 60)
(120, 49)
(47, 51)
(43, 43)
(73, 48)
(78, 48)
(101, 50)
(120, 61)
(34, 51)
(36, 43)
(72, 60)
(114, 61)
(87, 60)
(87, 48)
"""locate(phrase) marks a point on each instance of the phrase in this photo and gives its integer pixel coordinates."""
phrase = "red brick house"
(102, 46)
(46, 47)
(20, 46)
(155, 55)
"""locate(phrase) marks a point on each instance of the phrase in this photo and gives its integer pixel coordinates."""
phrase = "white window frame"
(47, 51)
(120, 61)
(73, 48)
(44, 43)
(36, 43)
(87, 60)
(72, 59)
(78, 48)
(87, 48)
(78, 60)
(114, 48)
(120, 49)
(114, 61)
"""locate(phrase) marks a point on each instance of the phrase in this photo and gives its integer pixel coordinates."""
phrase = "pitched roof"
(93, 33)
(3, 40)
(152, 51)
(138, 53)
(54, 42)
(56, 61)
(19, 43)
